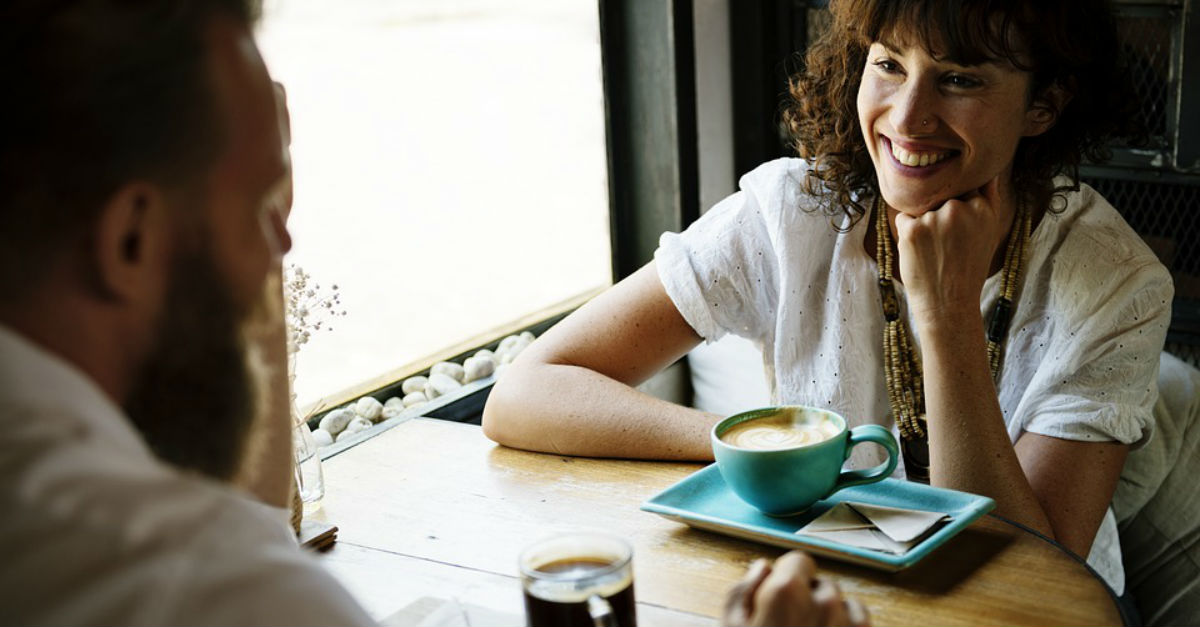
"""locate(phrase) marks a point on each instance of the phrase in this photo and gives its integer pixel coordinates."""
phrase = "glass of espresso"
(579, 580)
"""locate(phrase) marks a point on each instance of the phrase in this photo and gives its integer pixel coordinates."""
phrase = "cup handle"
(878, 435)
(601, 611)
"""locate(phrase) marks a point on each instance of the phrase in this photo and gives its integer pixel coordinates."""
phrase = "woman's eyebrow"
(889, 46)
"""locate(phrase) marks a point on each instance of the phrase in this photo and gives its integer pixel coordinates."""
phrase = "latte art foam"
(786, 429)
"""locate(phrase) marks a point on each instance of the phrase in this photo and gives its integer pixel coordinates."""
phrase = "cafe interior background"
(470, 171)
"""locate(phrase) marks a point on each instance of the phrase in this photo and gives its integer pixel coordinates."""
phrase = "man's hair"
(1069, 43)
(98, 93)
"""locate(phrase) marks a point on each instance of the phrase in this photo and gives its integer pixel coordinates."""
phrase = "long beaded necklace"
(902, 369)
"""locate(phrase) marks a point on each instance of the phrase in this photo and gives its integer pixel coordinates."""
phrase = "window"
(450, 169)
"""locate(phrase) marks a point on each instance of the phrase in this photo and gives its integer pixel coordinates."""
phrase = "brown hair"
(99, 92)
(1070, 43)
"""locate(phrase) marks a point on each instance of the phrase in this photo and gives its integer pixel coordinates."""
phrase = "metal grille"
(1147, 45)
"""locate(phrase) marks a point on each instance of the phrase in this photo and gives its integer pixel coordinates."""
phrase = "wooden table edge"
(1127, 616)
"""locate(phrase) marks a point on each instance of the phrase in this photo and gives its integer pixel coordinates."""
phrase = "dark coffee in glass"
(579, 580)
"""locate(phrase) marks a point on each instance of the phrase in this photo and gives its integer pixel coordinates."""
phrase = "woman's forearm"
(571, 410)
(969, 447)
(571, 392)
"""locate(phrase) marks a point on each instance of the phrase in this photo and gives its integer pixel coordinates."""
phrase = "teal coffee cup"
(781, 460)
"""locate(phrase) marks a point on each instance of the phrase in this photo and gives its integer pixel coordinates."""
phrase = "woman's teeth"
(917, 159)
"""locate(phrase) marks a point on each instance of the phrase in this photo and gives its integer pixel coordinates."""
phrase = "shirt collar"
(32, 378)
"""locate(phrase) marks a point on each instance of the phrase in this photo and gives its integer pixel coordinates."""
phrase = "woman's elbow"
(506, 410)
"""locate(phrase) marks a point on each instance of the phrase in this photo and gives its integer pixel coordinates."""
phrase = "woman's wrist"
(953, 320)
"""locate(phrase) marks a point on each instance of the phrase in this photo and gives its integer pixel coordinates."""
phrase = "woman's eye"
(888, 66)
(962, 82)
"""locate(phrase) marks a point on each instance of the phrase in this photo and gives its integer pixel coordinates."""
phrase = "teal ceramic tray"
(702, 500)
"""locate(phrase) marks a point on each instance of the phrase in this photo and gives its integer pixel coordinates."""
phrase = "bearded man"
(144, 180)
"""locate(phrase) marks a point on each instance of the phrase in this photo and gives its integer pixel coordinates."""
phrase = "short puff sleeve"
(1097, 380)
(722, 272)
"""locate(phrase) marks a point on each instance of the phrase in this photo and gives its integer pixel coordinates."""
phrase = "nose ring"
(925, 122)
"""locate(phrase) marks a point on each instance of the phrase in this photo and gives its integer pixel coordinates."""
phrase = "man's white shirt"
(97, 530)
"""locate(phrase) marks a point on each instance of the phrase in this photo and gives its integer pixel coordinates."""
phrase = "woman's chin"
(915, 207)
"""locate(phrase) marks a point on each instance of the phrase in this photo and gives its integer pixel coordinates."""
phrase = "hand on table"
(789, 592)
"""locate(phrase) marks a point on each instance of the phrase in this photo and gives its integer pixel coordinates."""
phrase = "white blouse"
(1080, 360)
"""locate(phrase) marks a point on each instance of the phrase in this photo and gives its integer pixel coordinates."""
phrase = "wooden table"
(434, 509)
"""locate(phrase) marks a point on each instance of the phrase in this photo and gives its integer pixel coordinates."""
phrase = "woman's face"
(937, 130)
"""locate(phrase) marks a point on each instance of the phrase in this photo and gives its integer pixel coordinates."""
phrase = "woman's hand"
(946, 254)
(789, 593)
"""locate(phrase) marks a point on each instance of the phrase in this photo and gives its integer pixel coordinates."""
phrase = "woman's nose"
(914, 111)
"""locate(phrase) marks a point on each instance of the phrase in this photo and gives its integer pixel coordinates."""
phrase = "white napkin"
(437, 612)
(875, 527)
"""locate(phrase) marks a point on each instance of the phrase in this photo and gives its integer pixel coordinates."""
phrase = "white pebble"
(335, 421)
(528, 336)
(394, 401)
(322, 437)
(508, 351)
(500, 370)
(392, 412)
(506, 344)
(416, 398)
(477, 368)
(440, 384)
(368, 408)
(357, 425)
(485, 354)
(448, 368)
(414, 384)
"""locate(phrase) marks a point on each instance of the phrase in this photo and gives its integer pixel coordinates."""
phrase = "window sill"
(463, 404)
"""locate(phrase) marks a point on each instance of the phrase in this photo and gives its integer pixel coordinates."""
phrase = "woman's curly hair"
(1069, 43)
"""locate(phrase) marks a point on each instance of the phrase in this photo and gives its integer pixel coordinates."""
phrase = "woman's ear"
(1044, 110)
(129, 244)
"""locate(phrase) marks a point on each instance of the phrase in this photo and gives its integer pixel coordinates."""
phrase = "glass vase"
(310, 480)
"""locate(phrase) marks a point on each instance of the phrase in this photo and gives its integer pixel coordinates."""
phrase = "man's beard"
(195, 400)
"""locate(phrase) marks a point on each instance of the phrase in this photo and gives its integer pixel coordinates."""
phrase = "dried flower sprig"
(309, 308)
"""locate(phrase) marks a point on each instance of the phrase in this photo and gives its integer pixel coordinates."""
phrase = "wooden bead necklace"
(902, 369)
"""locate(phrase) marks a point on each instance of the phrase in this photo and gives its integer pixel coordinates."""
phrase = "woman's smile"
(916, 160)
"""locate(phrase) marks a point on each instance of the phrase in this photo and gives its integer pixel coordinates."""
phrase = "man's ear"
(130, 243)
(1046, 107)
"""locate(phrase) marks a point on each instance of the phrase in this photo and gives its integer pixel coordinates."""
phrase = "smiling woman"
(999, 314)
